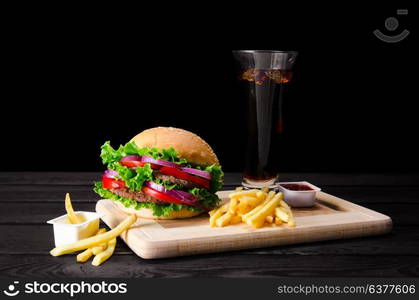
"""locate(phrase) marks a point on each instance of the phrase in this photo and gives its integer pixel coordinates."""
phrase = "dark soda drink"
(264, 92)
(263, 75)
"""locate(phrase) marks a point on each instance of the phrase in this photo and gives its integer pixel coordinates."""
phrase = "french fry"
(103, 256)
(251, 201)
(224, 219)
(269, 219)
(271, 194)
(239, 188)
(287, 209)
(281, 214)
(212, 212)
(261, 195)
(291, 221)
(284, 204)
(95, 240)
(258, 219)
(252, 212)
(223, 208)
(265, 189)
(218, 212)
(285, 214)
(236, 219)
(233, 205)
(99, 248)
(243, 208)
(213, 218)
(239, 194)
(278, 221)
(72, 217)
(246, 204)
(86, 254)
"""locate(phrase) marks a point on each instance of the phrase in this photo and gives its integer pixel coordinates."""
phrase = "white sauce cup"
(294, 198)
(66, 233)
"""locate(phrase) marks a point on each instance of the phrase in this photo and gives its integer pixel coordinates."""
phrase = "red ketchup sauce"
(297, 187)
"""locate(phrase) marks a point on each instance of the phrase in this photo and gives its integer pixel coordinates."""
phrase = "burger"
(162, 173)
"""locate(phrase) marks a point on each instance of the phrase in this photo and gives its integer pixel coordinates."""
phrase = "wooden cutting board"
(331, 218)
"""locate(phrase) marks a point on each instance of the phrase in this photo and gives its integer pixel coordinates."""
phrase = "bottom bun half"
(148, 213)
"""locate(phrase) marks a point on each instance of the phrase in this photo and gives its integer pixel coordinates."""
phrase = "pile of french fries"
(256, 208)
(102, 245)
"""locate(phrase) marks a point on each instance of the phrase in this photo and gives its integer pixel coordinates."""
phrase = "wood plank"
(401, 214)
(56, 178)
(371, 194)
(399, 242)
(354, 179)
(49, 193)
(84, 193)
(46, 193)
(321, 179)
(227, 265)
(404, 240)
(38, 213)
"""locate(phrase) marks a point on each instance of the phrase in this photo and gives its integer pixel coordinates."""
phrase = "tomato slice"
(136, 163)
(183, 175)
(110, 183)
(161, 196)
(132, 163)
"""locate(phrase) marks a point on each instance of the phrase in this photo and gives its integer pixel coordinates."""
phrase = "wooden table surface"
(28, 200)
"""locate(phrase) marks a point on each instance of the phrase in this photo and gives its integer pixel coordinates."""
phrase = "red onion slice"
(182, 195)
(149, 159)
(131, 158)
(197, 172)
(186, 198)
(174, 193)
(110, 174)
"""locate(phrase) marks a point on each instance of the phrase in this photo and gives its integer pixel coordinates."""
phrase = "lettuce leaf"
(217, 174)
(158, 210)
(209, 200)
(111, 157)
(143, 174)
(169, 185)
(134, 179)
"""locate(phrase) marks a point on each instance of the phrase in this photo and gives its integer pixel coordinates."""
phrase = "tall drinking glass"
(263, 76)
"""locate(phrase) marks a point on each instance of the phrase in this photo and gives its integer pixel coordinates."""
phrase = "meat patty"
(141, 197)
(187, 184)
(135, 195)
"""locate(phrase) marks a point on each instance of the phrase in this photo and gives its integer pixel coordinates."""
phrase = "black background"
(76, 78)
